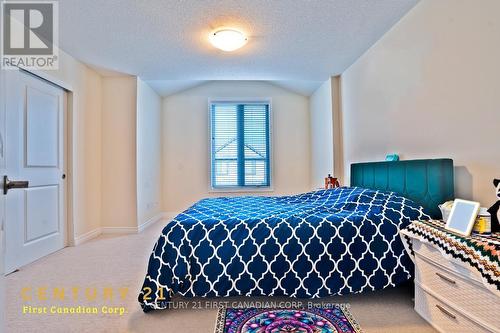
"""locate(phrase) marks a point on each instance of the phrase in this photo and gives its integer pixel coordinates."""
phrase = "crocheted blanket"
(481, 252)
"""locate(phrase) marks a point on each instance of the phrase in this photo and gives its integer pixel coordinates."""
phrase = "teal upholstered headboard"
(427, 182)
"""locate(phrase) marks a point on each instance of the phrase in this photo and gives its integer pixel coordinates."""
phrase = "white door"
(2, 201)
(35, 152)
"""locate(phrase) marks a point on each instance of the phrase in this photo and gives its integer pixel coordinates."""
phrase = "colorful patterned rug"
(314, 320)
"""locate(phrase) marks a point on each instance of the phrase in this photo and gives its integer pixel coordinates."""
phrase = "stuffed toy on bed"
(495, 209)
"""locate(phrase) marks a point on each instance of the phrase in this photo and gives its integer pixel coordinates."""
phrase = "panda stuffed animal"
(495, 209)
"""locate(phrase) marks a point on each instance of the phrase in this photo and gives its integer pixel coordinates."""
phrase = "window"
(240, 144)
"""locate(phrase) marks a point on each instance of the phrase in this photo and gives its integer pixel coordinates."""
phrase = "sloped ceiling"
(293, 43)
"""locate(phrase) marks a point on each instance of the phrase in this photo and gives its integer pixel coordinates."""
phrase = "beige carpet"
(120, 262)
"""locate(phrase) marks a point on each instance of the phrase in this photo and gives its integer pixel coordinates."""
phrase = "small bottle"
(482, 226)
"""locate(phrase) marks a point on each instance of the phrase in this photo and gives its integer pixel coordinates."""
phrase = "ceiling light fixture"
(228, 39)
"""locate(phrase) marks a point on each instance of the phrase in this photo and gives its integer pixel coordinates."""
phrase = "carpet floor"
(113, 265)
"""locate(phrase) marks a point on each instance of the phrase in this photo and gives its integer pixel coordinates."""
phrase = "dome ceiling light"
(228, 39)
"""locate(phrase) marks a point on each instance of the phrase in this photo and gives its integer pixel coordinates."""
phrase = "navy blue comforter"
(327, 242)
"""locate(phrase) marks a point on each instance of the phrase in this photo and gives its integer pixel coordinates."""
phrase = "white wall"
(320, 108)
(86, 146)
(148, 152)
(186, 140)
(430, 88)
(119, 200)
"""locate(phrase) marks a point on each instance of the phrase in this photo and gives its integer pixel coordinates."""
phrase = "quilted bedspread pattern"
(327, 242)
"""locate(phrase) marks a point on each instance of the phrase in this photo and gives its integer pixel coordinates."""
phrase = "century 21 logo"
(28, 28)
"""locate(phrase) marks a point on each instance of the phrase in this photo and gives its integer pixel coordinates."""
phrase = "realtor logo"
(29, 34)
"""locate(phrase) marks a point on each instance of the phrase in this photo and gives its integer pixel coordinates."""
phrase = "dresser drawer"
(433, 254)
(443, 317)
(470, 297)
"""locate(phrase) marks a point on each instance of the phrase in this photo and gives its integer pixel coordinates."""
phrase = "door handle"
(11, 184)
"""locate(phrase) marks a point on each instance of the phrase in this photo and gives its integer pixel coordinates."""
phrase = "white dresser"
(450, 295)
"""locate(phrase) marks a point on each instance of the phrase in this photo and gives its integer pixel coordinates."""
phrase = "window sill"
(240, 190)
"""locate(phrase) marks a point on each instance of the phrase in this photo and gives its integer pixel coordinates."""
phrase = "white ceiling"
(169, 87)
(295, 43)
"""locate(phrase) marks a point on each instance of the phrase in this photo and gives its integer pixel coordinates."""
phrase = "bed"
(316, 244)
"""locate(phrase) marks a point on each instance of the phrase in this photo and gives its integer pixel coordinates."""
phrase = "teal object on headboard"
(427, 182)
(392, 157)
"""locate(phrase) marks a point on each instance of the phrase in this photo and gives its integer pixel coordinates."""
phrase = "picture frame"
(462, 217)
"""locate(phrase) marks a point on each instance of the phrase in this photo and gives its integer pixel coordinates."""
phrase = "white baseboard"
(119, 230)
(87, 236)
(158, 217)
(163, 216)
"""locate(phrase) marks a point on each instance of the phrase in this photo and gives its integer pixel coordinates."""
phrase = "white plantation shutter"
(240, 144)
(224, 145)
